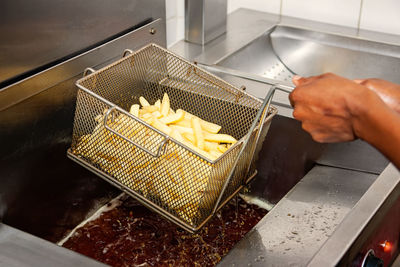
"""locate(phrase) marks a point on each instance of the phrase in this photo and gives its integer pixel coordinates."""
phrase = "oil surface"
(132, 235)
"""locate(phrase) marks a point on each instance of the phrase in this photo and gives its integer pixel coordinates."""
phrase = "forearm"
(379, 125)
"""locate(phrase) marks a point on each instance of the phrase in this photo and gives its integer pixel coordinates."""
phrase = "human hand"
(328, 106)
(387, 91)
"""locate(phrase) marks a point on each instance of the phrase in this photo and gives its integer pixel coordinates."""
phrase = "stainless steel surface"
(285, 50)
(334, 250)
(41, 34)
(142, 159)
(295, 229)
(47, 78)
(204, 20)
(357, 155)
(247, 28)
(19, 249)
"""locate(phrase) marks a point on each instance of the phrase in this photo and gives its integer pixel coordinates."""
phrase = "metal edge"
(358, 219)
(43, 80)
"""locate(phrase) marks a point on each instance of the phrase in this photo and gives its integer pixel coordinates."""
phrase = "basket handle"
(262, 115)
(161, 148)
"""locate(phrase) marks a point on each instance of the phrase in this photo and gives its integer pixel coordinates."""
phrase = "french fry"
(210, 146)
(178, 116)
(216, 154)
(146, 116)
(182, 129)
(205, 125)
(158, 104)
(185, 122)
(161, 126)
(176, 135)
(150, 109)
(222, 148)
(135, 110)
(156, 114)
(190, 137)
(143, 102)
(210, 127)
(198, 134)
(198, 150)
(221, 138)
(165, 105)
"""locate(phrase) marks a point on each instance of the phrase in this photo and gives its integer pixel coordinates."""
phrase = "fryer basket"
(160, 172)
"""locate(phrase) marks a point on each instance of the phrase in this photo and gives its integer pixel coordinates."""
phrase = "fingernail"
(296, 77)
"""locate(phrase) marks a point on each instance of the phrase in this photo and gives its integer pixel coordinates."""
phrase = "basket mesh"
(180, 183)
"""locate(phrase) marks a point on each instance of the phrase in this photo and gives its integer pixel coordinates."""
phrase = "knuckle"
(318, 137)
(297, 113)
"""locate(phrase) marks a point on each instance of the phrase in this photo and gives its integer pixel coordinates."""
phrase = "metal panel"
(38, 33)
(14, 93)
(204, 20)
(19, 249)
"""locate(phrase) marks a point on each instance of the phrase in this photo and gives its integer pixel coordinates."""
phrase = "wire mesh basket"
(159, 171)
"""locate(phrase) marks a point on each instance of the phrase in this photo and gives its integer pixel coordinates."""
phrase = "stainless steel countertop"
(19, 249)
(333, 197)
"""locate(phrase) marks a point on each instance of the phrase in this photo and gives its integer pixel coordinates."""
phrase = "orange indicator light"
(387, 246)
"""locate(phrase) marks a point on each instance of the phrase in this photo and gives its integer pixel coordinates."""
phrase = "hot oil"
(130, 235)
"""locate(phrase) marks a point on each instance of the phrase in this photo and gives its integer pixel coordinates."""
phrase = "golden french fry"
(215, 154)
(221, 138)
(178, 116)
(146, 116)
(160, 126)
(143, 102)
(157, 114)
(135, 110)
(198, 150)
(142, 112)
(176, 135)
(182, 129)
(210, 127)
(190, 137)
(150, 109)
(185, 122)
(158, 104)
(149, 120)
(198, 134)
(165, 105)
(222, 148)
(205, 125)
(210, 146)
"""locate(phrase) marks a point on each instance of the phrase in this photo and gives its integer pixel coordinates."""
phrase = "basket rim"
(79, 82)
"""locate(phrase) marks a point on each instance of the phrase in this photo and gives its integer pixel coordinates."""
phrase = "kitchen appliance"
(44, 194)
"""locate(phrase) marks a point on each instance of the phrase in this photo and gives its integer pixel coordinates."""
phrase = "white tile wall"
(376, 15)
(271, 6)
(175, 16)
(340, 12)
(381, 16)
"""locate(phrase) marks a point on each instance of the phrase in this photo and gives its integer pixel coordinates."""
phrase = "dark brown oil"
(131, 235)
